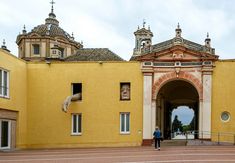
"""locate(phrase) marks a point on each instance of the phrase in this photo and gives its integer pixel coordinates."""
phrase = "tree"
(177, 125)
(192, 124)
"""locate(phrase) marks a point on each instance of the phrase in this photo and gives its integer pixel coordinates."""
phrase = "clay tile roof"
(186, 43)
(94, 54)
(53, 30)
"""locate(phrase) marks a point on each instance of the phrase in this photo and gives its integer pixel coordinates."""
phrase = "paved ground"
(181, 136)
(184, 154)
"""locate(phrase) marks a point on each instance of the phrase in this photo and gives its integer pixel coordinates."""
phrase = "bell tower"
(143, 40)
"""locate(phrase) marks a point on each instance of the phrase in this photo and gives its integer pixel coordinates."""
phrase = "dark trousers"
(157, 142)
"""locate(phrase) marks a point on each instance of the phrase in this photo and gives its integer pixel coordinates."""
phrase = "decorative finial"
(4, 42)
(24, 30)
(81, 42)
(52, 9)
(52, 17)
(4, 47)
(144, 22)
(178, 31)
(138, 27)
(207, 40)
(149, 27)
(72, 37)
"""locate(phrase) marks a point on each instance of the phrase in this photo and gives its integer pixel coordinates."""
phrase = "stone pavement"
(178, 154)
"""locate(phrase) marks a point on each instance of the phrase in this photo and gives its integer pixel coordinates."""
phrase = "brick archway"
(181, 76)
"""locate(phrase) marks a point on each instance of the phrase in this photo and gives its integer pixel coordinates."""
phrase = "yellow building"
(60, 94)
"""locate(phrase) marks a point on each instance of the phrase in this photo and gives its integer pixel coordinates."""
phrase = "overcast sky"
(185, 114)
(111, 23)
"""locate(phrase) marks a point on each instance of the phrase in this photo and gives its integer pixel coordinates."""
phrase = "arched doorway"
(171, 95)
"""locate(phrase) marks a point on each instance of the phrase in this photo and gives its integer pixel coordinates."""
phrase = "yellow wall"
(17, 92)
(49, 85)
(223, 99)
(37, 91)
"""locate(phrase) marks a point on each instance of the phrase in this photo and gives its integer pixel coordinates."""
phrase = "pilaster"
(147, 105)
(206, 105)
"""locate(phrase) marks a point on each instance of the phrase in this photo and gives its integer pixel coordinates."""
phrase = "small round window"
(225, 116)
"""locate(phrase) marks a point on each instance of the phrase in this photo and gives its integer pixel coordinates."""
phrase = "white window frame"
(77, 124)
(125, 123)
(9, 134)
(2, 84)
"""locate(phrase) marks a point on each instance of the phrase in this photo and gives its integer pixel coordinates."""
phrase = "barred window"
(4, 83)
(76, 124)
(124, 123)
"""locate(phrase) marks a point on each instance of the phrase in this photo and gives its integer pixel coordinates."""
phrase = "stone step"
(174, 143)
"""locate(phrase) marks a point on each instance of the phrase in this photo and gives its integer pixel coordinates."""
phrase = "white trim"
(8, 84)
(125, 123)
(77, 133)
(2, 84)
(9, 134)
(229, 116)
(147, 104)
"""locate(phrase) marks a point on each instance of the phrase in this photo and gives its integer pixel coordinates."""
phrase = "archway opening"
(182, 123)
(177, 100)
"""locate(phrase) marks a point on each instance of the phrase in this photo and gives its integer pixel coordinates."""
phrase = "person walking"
(157, 137)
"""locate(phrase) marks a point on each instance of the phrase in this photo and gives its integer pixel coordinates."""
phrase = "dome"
(52, 30)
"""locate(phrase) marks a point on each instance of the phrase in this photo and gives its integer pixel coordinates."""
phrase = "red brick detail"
(147, 142)
(173, 76)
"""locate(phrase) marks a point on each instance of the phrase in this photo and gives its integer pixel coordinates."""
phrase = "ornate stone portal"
(176, 72)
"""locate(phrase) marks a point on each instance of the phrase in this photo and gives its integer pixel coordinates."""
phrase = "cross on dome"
(52, 9)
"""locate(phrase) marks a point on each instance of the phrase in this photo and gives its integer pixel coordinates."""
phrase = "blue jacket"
(157, 134)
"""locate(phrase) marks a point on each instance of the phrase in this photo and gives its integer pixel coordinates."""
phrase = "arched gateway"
(176, 72)
(173, 94)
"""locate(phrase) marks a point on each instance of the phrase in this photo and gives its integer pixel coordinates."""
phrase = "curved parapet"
(69, 99)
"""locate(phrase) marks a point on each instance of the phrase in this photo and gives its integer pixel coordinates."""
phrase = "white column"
(206, 105)
(153, 112)
(147, 104)
(200, 127)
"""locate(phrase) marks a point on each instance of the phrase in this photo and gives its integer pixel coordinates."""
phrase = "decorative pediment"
(60, 39)
(33, 34)
(177, 53)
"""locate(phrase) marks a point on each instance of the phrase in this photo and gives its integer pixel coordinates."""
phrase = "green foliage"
(186, 128)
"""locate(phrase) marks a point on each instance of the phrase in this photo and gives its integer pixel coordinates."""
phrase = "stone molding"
(182, 75)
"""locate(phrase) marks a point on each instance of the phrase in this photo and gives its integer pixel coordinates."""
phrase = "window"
(124, 123)
(36, 49)
(61, 53)
(125, 91)
(4, 83)
(5, 134)
(77, 88)
(225, 116)
(76, 124)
